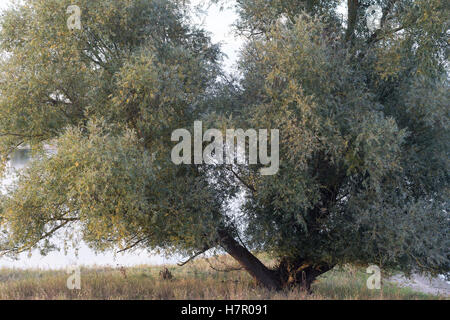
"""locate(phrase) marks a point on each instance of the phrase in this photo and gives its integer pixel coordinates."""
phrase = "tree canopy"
(363, 119)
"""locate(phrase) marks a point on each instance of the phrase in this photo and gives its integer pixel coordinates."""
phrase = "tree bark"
(252, 264)
(301, 273)
(352, 7)
(287, 274)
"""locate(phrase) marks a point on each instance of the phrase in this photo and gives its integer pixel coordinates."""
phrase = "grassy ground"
(196, 280)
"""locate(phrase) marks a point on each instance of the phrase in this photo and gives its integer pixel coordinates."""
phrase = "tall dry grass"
(196, 281)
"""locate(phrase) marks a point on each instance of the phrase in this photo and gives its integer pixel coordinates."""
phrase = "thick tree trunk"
(252, 264)
(352, 9)
(287, 274)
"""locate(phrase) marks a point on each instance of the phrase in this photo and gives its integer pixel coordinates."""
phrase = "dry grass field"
(196, 280)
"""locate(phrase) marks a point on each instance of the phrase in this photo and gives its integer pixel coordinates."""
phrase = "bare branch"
(229, 269)
(132, 245)
(241, 180)
(193, 257)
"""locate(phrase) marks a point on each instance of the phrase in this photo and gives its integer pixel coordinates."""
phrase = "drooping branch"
(45, 235)
(133, 245)
(194, 256)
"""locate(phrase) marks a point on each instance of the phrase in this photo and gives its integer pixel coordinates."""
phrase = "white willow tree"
(363, 120)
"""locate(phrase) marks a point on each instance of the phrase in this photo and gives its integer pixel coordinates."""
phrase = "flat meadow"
(211, 279)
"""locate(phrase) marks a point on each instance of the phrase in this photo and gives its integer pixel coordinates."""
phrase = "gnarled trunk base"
(289, 273)
(300, 273)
